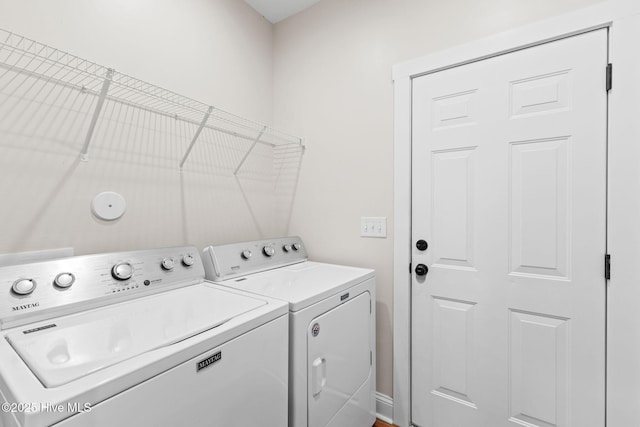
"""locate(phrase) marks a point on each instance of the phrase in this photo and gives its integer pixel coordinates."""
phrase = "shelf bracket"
(255, 141)
(196, 136)
(84, 154)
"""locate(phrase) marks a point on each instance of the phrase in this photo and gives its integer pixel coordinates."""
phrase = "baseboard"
(384, 408)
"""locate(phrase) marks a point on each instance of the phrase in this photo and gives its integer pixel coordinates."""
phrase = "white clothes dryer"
(332, 378)
(138, 339)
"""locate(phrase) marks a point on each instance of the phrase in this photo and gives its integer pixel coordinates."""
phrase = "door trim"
(603, 15)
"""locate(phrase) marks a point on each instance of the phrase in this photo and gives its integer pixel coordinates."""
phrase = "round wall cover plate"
(108, 206)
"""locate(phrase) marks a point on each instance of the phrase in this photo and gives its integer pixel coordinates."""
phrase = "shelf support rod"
(196, 135)
(84, 154)
(255, 141)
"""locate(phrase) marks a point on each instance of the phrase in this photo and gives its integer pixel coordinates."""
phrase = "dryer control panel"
(37, 291)
(224, 262)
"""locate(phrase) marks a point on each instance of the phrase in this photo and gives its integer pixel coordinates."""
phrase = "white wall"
(215, 51)
(332, 84)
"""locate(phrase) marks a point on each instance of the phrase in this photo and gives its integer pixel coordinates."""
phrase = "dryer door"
(338, 358)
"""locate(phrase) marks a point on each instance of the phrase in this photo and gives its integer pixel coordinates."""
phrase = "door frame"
(621, 17)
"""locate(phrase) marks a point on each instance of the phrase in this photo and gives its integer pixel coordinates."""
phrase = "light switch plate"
(373, 227)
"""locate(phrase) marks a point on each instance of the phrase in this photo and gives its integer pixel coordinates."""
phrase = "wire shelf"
(73, 97)
(191, 172)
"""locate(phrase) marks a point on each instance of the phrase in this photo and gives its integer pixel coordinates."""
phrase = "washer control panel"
(28, 292)
(239, 259)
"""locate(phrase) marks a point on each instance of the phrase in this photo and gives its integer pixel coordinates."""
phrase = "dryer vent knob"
(268, 251)
(188, 260)
(167, 264)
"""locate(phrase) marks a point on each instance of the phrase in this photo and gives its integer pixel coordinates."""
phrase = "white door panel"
(509, 190)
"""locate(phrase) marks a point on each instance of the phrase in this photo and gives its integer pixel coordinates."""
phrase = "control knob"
(246, 254)
(167, 264)
(23, 286)
(268, 251)
(188, 260)
(122, 271)
(286, 248)
(296, 246)
(64, 280)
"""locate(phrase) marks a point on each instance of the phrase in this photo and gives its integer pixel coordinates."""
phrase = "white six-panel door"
(509, 192)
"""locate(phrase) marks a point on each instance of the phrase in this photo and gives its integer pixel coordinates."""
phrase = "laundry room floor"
(380, 423)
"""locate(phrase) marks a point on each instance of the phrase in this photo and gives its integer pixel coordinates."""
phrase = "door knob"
(422, 245)
(421, 270)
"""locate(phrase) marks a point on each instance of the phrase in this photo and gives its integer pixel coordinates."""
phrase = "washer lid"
(302, 284)
(74, 346)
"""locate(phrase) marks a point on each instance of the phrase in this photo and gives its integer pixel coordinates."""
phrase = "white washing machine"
(138, 339)
(332, 377)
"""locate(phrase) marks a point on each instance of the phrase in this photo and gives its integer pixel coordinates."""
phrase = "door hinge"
(607, 266)
(609, 76)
